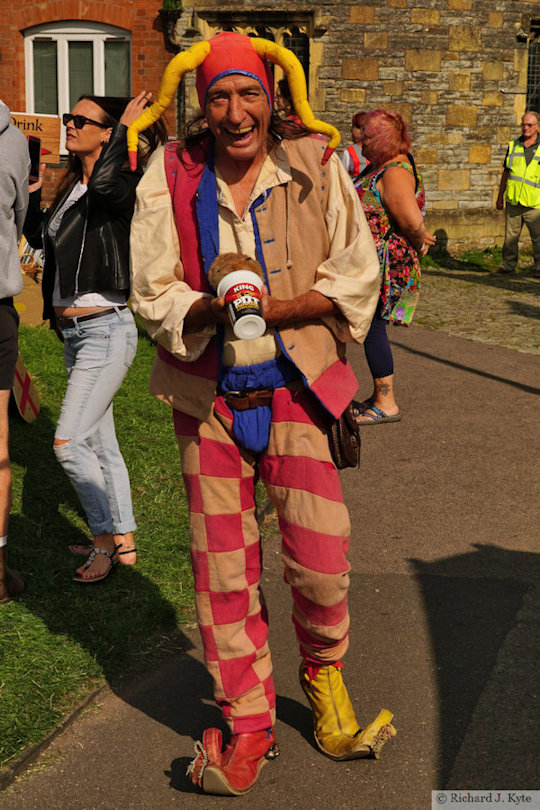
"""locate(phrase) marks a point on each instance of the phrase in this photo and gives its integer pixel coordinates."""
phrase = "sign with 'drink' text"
(46, 127)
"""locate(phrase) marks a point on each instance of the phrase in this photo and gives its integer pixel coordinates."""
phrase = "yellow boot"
(335, 726)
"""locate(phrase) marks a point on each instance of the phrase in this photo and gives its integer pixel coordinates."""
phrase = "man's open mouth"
(240, 134)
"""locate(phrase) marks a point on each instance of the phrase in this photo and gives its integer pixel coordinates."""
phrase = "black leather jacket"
(91, 248)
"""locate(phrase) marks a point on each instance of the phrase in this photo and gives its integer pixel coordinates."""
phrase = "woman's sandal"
(81, 549)
(358, 408)
(378, 417)
(129, 550)
(91, 557)
(85, 550)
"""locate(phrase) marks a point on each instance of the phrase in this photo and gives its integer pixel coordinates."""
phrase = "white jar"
(242, 291)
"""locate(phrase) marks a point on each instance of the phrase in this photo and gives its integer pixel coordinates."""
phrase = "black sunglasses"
(80, 121)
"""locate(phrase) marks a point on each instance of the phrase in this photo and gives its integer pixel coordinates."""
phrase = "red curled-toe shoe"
(236, 770)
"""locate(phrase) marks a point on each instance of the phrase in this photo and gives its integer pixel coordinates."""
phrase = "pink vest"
(183, 180)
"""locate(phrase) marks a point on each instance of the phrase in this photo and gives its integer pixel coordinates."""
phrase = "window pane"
(533, 76)
(298, 43)
(45, 78)
(117, 73)
(81, 70)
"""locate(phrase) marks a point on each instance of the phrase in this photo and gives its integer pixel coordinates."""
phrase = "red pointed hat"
(233, 53)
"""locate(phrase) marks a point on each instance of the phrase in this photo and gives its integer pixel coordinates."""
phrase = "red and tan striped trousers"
(226, 554)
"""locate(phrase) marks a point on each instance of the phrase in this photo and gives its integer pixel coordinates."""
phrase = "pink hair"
(388, 133)
(358, 119)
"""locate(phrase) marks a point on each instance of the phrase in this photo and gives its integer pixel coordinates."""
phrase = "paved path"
(445, 601)
(499, 310)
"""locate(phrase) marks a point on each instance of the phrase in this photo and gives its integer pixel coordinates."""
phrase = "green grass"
(477, 260)
(481, 260)
(62, 639)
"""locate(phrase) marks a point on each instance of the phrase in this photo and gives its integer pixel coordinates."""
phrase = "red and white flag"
(25, 393)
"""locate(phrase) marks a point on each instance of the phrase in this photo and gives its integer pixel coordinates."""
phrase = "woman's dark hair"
(196, 131)
(111, 108)
(285, 90)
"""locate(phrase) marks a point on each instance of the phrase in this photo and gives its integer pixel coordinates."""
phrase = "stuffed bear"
(227, 263)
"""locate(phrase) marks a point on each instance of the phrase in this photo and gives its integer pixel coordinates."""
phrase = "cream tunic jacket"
(348, 272)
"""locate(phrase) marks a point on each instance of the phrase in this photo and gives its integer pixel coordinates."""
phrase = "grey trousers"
(515, 216)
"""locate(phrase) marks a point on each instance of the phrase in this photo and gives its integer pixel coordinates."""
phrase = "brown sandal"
(81, 549)
(91, 557)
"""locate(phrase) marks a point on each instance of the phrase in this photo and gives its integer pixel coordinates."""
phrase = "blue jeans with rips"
(97, 354)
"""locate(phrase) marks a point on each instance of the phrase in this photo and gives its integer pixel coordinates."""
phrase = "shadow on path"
(482, 608)
(529, 389)
(525, 310)
(467, 269)
(520, 282)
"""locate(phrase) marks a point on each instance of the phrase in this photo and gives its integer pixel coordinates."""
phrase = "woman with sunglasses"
(85, 237)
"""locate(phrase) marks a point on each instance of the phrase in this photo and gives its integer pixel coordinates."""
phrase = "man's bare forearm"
(306, 307)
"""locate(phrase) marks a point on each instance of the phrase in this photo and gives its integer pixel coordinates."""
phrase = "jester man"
(242, 181)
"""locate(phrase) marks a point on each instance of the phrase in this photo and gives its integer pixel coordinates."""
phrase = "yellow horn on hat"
(177, 67)
(294, 71)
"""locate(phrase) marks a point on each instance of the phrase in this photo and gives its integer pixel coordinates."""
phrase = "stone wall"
(442, 64)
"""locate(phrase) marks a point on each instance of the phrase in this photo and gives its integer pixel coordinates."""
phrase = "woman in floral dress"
(393, 197)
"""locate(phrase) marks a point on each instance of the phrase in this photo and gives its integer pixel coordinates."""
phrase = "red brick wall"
(140, 17)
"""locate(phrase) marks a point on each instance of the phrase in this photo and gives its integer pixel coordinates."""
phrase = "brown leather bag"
(344, 440)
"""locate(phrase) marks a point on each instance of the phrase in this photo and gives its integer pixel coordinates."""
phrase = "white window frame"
(63, 33)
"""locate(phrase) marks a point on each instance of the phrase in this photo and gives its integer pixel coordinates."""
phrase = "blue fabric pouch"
(252, 426)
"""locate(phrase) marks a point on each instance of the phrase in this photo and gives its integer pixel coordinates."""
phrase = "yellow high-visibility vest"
(523, 184)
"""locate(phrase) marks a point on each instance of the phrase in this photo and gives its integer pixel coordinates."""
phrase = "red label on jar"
(243, 299)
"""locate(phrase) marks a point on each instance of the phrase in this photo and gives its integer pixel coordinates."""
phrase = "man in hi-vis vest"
(520, 188)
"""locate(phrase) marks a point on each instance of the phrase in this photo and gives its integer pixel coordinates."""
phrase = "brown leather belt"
(249, 399)
(65, 323)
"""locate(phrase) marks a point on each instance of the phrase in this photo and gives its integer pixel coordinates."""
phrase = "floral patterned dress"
(400, 267)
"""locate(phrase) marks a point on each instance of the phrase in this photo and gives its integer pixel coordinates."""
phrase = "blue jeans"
(97, 354)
